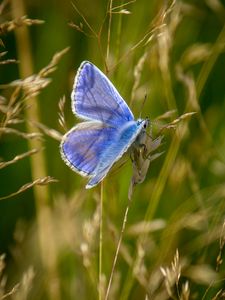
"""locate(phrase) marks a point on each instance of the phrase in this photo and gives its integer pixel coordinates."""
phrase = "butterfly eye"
(146, 124)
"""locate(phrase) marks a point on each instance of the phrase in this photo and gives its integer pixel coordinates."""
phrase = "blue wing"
(82, 147)
(120, 142)
(95, 98)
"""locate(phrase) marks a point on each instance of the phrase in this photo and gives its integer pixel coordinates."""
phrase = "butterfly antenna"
(142, 106)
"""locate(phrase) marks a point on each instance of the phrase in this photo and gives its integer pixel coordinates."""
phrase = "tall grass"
(167, 241)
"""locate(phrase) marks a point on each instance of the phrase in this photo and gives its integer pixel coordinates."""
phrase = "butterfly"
(108, 129)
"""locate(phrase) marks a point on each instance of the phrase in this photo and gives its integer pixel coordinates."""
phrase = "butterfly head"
(144, 123)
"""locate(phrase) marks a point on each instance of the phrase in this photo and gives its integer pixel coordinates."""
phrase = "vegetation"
(60, 241)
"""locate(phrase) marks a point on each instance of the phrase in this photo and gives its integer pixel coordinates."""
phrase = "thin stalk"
(118, 40)
(100, 242)
(109, 28)
(118, 248)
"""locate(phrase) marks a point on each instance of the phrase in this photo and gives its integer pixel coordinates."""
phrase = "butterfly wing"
(120, 142)
(95, 98)
(82, 147)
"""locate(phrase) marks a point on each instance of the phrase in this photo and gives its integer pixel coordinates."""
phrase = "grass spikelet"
(56, 135)
(25, 285)
(90, 229)
(61, 115)
(137, 76)
(139, 268)
(122, 12)
(51, 67)
(22, 21)
(142, 226)
(172, 275)
(195, 54)
(20, 290)
(3, 6)
(6, 61)
(185, 291)
(33, 84)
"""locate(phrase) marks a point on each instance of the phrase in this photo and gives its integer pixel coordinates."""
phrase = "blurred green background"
(173, 52)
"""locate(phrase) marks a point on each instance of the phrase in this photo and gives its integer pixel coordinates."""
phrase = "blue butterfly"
(109, 128)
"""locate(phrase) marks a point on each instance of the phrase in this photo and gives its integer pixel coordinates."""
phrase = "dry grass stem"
(117, 249)
(174, 123)
(40, 181)
(17, 158)
(122, 5)
(219, 259)
(110, 4)
(220, 295)
(85, 21)
(6, 61)
(29, 136)
(13, 291)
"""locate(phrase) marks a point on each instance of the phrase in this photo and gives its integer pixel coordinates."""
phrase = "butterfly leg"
(132, 158)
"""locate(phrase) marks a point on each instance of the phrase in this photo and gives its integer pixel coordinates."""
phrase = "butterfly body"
(93, 146)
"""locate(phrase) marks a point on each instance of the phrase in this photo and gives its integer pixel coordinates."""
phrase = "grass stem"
(100, 241)
(118, 248)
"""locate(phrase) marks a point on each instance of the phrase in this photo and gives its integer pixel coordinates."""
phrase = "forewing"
(82, 147)
(95, 98)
